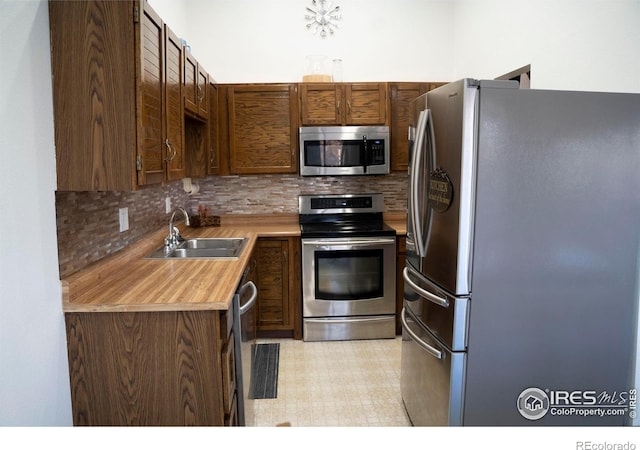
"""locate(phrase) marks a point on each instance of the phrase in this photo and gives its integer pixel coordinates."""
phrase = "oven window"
(349, 274)
(332, 153)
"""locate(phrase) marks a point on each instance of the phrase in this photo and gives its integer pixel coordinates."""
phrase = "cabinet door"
(213, 164)
(366, 103)
(190, 83)
(174, 108)
(274, 310)
(158, 368)
(279, 291)
(401, 96)
(263, 129)
(93, 68)
(321, 104)
(151, 128)
(196, 80)
(201, 92)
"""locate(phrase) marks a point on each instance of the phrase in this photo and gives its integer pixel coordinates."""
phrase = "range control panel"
(346, 203)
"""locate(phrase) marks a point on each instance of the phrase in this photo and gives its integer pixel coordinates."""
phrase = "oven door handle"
(350, 242)
(328, 320)
(414, 337)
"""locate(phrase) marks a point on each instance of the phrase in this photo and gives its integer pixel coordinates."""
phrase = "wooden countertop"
(397, 221)
(126, 281)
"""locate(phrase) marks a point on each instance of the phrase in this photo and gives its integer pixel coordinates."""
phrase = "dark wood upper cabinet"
(401, 95)
(196, 79)
(213, 163)
(94, 107)
(343, 104)
(261, 132)
(117, 92)
(174, 109)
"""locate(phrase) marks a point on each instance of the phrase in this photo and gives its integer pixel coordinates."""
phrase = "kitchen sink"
(212, 243)
(203, 248)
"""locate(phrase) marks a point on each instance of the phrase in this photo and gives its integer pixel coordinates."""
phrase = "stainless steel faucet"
(172, 240)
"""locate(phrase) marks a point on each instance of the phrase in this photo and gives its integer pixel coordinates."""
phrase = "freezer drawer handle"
(426, 294)
(247, 306)
(426, 347)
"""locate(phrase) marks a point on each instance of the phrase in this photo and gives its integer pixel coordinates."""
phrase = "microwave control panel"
(376, 152)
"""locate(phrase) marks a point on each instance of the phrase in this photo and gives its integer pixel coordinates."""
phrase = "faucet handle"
(176, 235)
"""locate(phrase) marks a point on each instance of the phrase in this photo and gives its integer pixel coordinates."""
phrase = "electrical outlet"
(167, 205)
(123, 214)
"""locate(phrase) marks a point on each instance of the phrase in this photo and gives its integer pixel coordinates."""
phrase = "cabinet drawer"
(228, 375)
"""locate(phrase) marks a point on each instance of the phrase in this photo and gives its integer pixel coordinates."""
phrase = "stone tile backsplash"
(260, 194)
(88, 223)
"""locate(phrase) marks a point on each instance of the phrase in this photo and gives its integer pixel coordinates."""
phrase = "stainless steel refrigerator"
(521, 281)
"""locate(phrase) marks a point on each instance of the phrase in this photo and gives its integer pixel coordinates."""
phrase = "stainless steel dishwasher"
(244, 335)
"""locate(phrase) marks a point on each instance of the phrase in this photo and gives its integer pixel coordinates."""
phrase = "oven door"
(348, 276)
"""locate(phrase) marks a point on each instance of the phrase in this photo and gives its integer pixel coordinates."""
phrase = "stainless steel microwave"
(348, 150)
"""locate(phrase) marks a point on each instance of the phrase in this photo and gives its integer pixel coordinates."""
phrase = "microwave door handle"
(365, 158)
(414, 197)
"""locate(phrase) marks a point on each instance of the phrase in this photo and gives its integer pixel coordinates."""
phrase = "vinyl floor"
(338, 383)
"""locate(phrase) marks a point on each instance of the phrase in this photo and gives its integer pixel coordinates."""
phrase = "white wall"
(571, 44)
(174, 13)
(34, 379)
(257, 41)
(591, 45)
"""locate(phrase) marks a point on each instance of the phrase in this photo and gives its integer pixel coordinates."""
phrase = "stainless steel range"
(348, 268)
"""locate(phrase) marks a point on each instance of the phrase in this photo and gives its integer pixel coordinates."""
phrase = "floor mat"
(264, 371)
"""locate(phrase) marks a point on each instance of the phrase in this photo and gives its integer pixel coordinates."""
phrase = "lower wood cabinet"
(279, 289)
(151, 368)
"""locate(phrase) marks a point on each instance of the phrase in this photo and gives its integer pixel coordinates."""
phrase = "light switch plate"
(123, 214)
(167, 205)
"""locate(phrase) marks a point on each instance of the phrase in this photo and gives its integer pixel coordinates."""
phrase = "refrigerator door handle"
(441, 301)
(414, 337)
(414, 186)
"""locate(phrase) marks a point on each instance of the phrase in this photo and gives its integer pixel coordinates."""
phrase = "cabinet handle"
(212, 152)
(200, 96)
(169, 149)
(349, 106)
(338, 107)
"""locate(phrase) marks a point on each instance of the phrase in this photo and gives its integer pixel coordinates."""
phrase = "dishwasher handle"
(254, 296)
